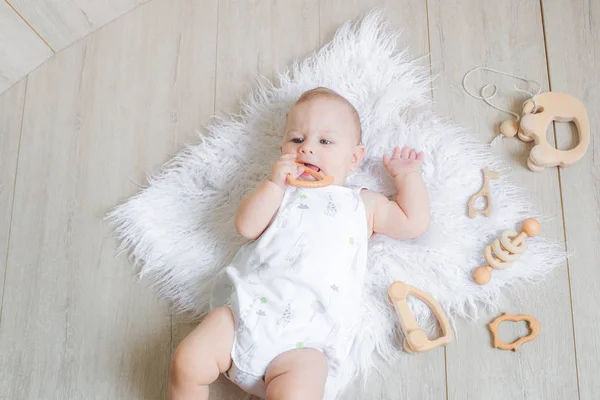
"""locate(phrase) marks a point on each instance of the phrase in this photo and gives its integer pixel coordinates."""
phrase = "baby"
(284, 313)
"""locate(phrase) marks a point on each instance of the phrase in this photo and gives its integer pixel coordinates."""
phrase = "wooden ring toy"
(549, 107)
(416, 340)
(505, 250)
(322, 179)
(534, 328)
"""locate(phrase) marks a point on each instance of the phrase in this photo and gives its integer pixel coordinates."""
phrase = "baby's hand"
(282, 167)
(405, 160)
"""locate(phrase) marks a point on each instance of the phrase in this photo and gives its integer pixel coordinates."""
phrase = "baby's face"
(324, 135)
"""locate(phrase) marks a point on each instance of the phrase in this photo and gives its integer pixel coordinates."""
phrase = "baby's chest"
(326, 211)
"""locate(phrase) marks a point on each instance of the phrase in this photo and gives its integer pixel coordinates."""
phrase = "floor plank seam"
(30, 27)
(12, 206)
(562, 205)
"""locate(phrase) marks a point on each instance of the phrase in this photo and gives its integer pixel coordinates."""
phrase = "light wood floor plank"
(258, 39)
(573, 41)
(62, 23)
(506, 36)
(11, 114)
(21, 50)
(75, 324)
(417, 376)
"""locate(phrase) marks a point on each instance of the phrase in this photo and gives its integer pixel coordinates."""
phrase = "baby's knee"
(298, 374)
(190, 368)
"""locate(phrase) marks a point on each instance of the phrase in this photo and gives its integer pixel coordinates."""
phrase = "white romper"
(298, 285)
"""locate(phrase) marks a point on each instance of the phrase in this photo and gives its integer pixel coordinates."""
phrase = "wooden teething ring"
(416, 339)
(322, 179)
(534, 326)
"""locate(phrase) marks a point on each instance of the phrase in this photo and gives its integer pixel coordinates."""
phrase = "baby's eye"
(297, 140)
(325, 141)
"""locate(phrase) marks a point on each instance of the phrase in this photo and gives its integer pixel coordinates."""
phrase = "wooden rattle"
(534, 328)
(548, 107)
(485, 192)
(322, 179)
(507, 249)
(416, 339)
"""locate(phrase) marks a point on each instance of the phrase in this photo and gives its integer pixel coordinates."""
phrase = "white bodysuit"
(298, 285)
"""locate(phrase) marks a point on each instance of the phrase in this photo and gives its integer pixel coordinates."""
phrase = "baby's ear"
(357, 156)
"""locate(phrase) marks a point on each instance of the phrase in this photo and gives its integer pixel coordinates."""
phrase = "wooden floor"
(78, 131)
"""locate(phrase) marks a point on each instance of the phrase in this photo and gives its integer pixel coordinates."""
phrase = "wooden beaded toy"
(506, 249)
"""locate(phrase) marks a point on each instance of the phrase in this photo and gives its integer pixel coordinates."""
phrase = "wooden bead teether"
(416, 339)
(322, 179)
(506, 249)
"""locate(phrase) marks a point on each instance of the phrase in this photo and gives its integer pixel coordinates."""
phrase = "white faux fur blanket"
(179, 230)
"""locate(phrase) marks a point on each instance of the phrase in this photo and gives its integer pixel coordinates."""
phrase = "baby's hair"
(323, 91)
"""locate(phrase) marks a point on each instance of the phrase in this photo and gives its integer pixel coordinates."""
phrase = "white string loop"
(487, 98)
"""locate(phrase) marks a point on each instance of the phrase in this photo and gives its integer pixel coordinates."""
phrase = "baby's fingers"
(420, 156)
(386, 160)
(412, 155)
(405, 152)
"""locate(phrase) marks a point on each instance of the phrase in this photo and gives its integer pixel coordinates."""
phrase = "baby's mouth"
(313, 167)
(305, 176)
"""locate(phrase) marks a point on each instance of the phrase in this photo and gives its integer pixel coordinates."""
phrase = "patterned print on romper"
(247, 354)
(246, 312)
(294, 254)
(286, 317)
(331, 209)
(303, 207)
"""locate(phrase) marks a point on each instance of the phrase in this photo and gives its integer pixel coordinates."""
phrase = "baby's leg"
(297, 374)
(202, 356)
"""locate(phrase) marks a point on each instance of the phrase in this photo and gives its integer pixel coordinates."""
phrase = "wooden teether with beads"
(416, 339)
(506, 249)
(549, 107)
(534, 327)
(322, 179)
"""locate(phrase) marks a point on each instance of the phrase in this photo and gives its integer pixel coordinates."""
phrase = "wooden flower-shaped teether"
(534, 327)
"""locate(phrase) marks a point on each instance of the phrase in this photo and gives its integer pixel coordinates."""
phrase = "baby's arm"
(256, 210)
(408, 217)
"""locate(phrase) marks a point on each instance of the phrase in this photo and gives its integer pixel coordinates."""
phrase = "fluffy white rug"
(179, 230)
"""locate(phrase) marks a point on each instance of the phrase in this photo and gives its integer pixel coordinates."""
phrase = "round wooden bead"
(509, 128)
(531, 227)
(482, 275)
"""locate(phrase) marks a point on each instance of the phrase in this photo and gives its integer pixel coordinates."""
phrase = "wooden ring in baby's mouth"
(322, 179)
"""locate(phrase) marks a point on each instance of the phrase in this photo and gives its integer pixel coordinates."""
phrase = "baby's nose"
(306, 150)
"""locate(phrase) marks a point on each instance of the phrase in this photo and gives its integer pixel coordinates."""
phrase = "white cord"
(487, 99)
